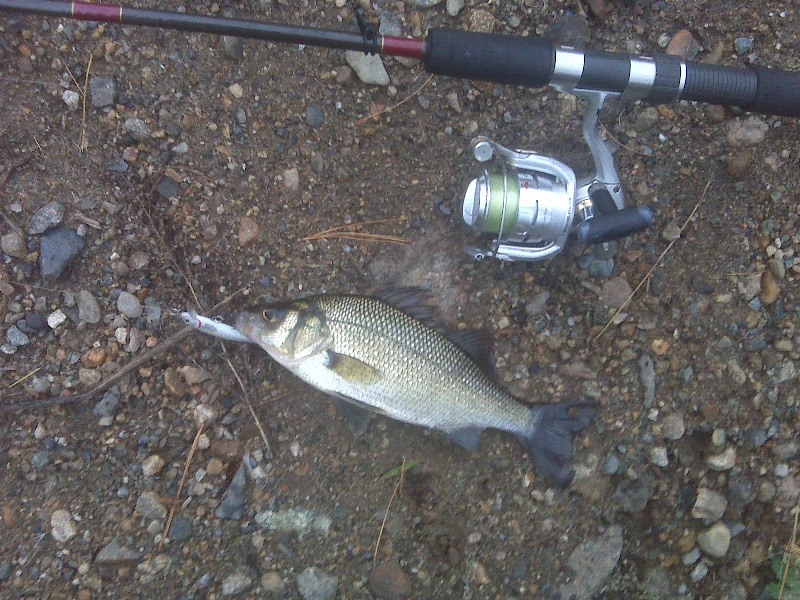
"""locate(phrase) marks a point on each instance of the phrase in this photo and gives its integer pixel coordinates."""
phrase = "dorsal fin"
(478, 344)
(412, 301)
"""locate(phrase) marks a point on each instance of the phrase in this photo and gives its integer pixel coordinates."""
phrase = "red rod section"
(92, 11)
(397, 46)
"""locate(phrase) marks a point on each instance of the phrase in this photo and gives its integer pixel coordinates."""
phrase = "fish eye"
(270, 315)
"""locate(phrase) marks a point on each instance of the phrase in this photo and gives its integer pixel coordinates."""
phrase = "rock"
(673, 427)
(614, 292)
(50, 215)
(633, 494)
(16, 338)
(454, 7)
(709, 505)
(236, 584)
(291, 179)
(58, 248)
(592, 562)
(388, 582)
(93, 357)
(232, 505)
(232, 47)
(204, 415)
(180, 529)
(568, 30)
(115, 553)
(739, 163)
(56, 318)
(150, 507)
(168, 187)
(248, 231)
(715, 541)
(724, 461)
(743, 45)
(770, 290)
(272, 583)
(647, 375)
(684, 45)
(746, 132)
(194, 375)
(129, 305)
(108, 404)
(72, 99)
(316, 584)
(88, 308)
(175, 385)
(236, 91)
(13, 244)
(299, 521)
(137, 128)
(368, 67)
(314, 115)
(102, 91)
(537, 304)
(659, 456)
(62, 526)
(672, 231)
(152, 465)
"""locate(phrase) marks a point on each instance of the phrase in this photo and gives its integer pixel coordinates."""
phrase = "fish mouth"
(244, 324)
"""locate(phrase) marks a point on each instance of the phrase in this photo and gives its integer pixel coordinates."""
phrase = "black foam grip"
(614, 225)
(506, 59)
(778, 93)
(719, 85)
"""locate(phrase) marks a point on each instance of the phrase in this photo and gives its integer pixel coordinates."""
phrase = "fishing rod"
(529, 205)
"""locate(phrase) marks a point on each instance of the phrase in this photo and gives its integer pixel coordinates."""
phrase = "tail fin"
(549, 439)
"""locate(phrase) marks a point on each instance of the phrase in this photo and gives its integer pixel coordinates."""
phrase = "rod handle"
(614, 225)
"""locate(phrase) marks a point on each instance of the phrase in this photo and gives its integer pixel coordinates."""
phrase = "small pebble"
(368, 67)
(58, 247)
(62, 526)
(13, 244)
(709, 505)
(71, 98)
(50, 215)
(56, 318)
(715, 541)
(291, 179)
(88, 308)
(152, 465)
(129, 305)
(749, 131)
(782, 470)
(700, 571)
(388, 582)
(16, 338)
(673, 427)
(137, 128)
(316, 584)
(150, 507)
(723, 461)
(315, 117)
(248, 231)
(272, 583)
(102, 91)
(236, 584)
(236, 91)
(115, 552)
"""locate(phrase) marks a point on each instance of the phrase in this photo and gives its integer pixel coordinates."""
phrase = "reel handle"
(614, 225)
(535, 62)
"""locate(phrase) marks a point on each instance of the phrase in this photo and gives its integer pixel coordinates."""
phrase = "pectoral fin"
(351, 369)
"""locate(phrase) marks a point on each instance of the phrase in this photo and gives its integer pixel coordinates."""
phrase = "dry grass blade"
(84, 141)
(250, 407)
(391, 108)
(348, 232)
(658, 262)
(24, 377)
(185, 475)
(389, 506)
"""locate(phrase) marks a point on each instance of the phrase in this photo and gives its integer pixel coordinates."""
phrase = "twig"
(386, 514)
(174, 506)
(344, 232)
(250, 406)
(657, 263)
(792, 551)
(391, 108)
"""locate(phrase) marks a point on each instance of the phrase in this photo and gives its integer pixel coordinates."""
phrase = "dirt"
(460, 526)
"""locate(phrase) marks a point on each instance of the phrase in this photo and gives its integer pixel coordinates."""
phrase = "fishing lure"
(213, 327)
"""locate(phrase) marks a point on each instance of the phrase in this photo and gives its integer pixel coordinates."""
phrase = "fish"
(388, 354)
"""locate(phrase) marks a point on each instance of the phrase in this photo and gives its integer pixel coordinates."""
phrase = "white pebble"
(71, 98)
(56, 318)
(62, 526)
(782, 470)
(152, 465)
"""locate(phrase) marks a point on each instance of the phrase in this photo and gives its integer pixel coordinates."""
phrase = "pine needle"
(391, 108)
(347, 232)
(388, 506)
(185, 475)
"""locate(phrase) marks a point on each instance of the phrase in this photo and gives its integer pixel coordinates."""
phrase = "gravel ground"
(189, 170)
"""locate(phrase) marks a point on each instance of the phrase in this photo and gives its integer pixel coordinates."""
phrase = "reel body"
(529, 204)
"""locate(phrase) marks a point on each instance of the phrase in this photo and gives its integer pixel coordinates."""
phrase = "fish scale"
(376, 353)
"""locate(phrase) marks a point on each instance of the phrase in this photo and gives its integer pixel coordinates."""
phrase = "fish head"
(288, 331)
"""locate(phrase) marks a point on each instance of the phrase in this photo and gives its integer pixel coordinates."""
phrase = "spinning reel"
(529, 204)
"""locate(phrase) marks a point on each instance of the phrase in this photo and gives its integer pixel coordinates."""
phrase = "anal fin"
(467, 437)
(357, 417)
